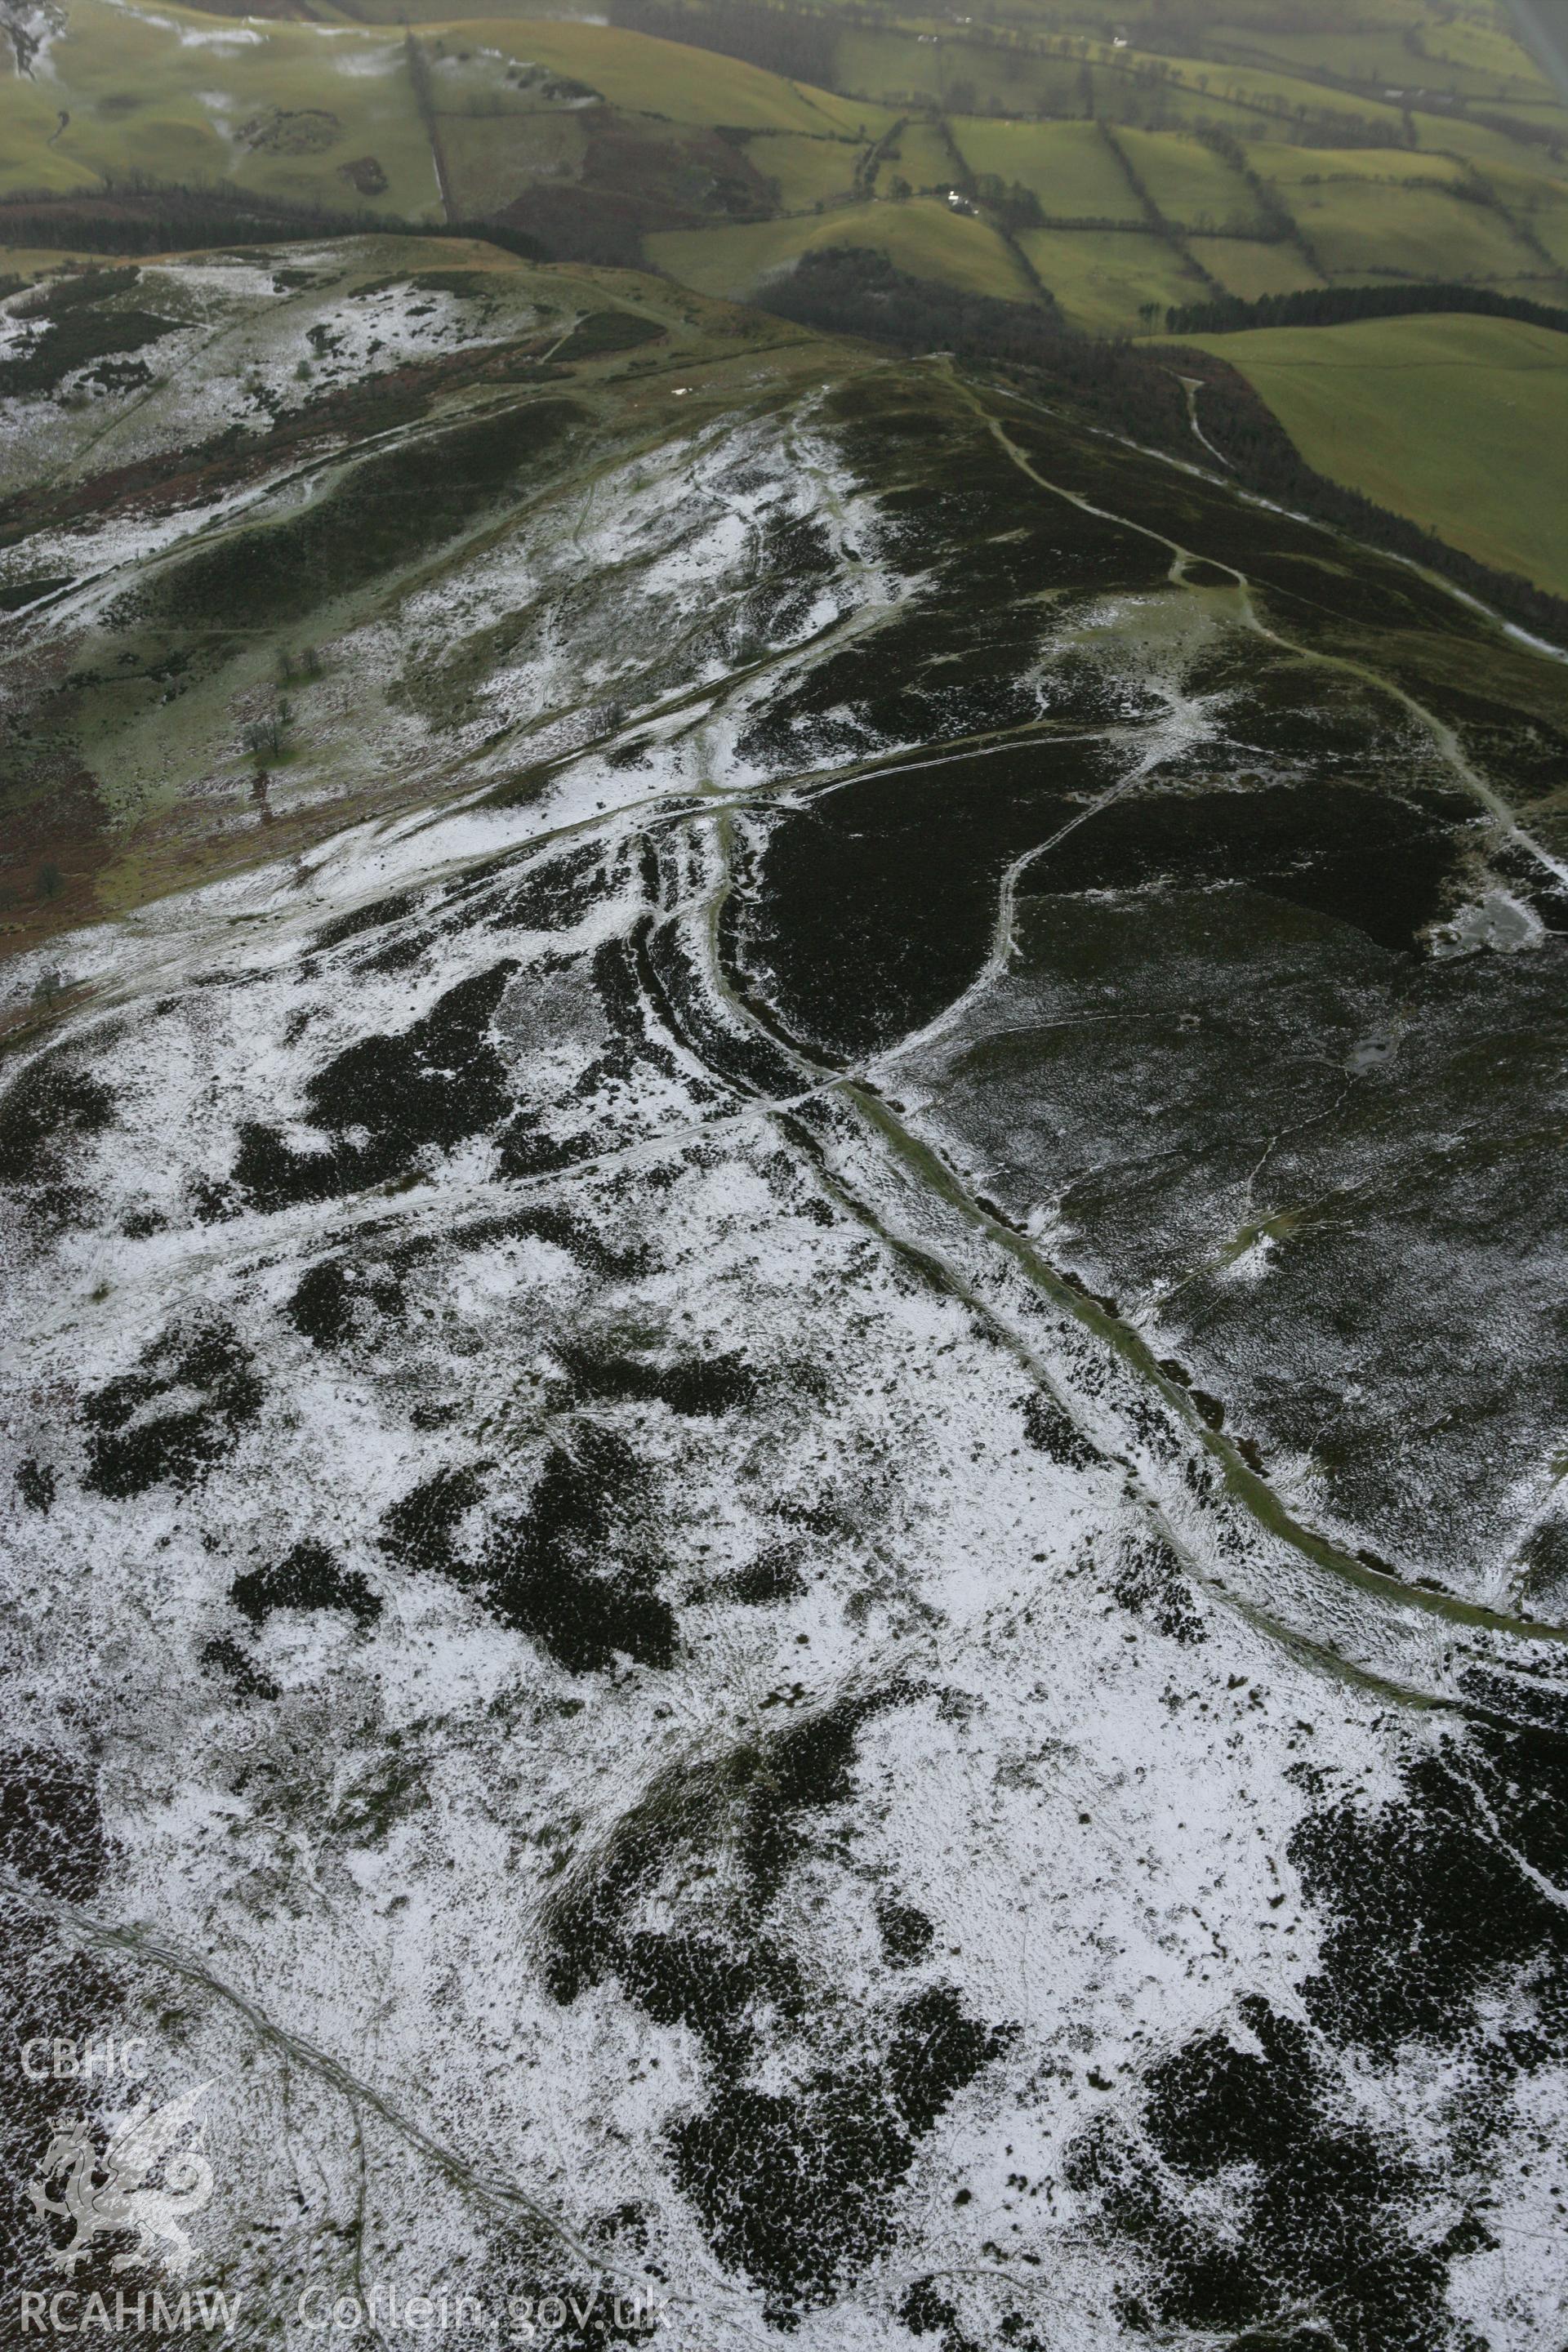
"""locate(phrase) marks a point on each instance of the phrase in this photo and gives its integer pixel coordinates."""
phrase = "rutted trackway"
(963, 1244)
(973, 1245)
(1447, 745)
(909, 1159)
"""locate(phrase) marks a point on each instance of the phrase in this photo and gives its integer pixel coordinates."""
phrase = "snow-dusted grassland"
(784, 1457)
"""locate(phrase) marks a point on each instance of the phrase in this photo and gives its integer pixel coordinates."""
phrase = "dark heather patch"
(432, 1086)
(759, 1798)
(1151, 1584)
(335, 1300)
(74, 341)
(593, 2319)
(706, 1388)
(1436, 1934)
(1427, 1909)
(381, 516)
(554, 893)
(1383, 864)
(620, 980)
(226, 1656)
(796, 2190)
(906, 1934)
(873, 905)
(564, 1230)
(1544, 1558)
(51, 1831)
(52, 1838)
(309, 1577)
(373, 918)
(773, 1575)
(565, 1571)
(960, 657)
(1047, 1427)
(420, 1531)
(131, 1446)
(558, 1572)
(602, 332)
(745, 1059)
(926, 2311)
(1525, 1698)
(36, 1483)
(19, 594)
(50, 1108)
(1326, 2216)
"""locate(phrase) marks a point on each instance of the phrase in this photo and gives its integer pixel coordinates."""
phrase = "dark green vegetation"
(149, 217)
(141, 1430)
(1333, 305)
(573, 1571)
(1425, 1915)
(1246, 939)
(365, 527)
(306, 1577)
(228, 634)
(71, 330)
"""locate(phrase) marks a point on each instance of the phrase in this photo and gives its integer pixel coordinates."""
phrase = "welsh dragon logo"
(108, 2192)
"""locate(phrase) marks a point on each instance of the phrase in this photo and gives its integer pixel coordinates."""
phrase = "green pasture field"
(1489, 49)
(807, 170)
(653, 77)
(1538, 206)
(919, 154)
(923, 236)
(296, 109)
(899, 66)
(1462, 423)
(1288, 167)
(487, 156)
(279, 108)
(1276, 95)
(1489, 68)
(1480, 144)
(889, 66)
(1365, 228)
(1245, 266)
(1067, 165)
(1549, 223)
(1102, 277)
(1191, 185)
(29, 119)
(1121, 98)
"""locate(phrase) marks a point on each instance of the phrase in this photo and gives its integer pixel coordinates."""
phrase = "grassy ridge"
(923, 236)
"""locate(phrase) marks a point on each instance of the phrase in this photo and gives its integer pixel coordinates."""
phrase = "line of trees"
(800, 47)
(141, 216)
(1336, 305)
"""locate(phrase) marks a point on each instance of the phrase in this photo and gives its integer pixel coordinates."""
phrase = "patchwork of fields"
(1102, 175)
(1115, 180)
